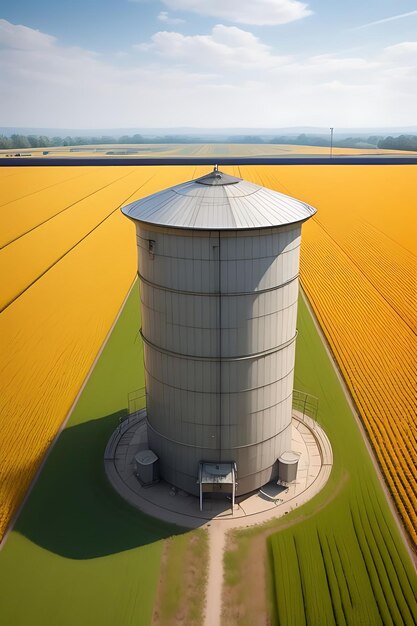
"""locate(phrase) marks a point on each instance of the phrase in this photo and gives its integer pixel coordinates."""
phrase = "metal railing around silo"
(136, 401)
(306, 404)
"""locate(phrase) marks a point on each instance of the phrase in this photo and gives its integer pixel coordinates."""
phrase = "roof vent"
(217, 178)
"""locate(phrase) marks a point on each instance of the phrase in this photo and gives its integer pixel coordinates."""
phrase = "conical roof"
(218, 201)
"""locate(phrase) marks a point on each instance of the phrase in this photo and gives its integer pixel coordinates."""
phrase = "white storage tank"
(288, 466)
(218, 269)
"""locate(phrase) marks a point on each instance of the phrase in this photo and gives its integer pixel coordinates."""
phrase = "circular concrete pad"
(165, 502)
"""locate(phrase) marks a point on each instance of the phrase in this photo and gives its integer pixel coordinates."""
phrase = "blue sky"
(208, 63)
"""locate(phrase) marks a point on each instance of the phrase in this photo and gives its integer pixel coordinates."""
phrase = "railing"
(305, 403)
(136, 400)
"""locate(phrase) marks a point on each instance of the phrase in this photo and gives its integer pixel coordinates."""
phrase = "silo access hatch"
(217, 478)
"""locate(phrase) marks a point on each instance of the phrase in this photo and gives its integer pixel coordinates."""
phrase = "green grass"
(78, 554)
(339, 558)
(182, 594)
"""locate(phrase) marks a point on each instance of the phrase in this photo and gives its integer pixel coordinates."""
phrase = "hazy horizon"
(208, 131)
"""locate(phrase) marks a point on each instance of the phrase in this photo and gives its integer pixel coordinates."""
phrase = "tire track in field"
(47, 269)
(9, 174)
(397, 243)
(32, 193)
(48, 219)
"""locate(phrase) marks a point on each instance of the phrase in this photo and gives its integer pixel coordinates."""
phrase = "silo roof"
(218, 201)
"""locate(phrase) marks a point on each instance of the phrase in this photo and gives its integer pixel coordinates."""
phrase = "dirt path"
(217, 542)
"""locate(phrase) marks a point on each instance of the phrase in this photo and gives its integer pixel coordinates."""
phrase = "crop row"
(325, 577)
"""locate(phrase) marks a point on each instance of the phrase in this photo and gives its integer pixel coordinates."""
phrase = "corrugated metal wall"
(219, 323)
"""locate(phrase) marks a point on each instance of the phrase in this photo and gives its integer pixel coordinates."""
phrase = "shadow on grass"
(73, 511)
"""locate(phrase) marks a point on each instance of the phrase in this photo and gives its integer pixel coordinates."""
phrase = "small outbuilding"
(146, 467)
(288, 466)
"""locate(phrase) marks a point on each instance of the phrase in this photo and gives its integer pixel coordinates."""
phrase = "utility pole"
(331, 142)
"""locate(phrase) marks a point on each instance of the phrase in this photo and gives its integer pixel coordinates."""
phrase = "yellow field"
(67, 259)
(358, 270)
(62, 284)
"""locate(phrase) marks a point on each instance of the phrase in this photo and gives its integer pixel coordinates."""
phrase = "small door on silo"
(146, 467)
(288, 466)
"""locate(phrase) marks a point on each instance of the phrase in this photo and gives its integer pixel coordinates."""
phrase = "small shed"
(146, 467)
(288, 466)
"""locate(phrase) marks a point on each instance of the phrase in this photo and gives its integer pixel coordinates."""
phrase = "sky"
(208, 63)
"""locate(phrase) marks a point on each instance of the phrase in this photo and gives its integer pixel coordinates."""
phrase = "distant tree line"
(41, 141)
(402, 142)
(319, 140)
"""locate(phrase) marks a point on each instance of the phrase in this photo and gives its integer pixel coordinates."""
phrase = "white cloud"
(164, 16)
(228, 77)
(23, 38)
(224, 47)
(257, 12)
(405, 49)
(331, 63)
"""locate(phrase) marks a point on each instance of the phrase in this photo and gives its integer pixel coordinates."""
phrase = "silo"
(218, 261)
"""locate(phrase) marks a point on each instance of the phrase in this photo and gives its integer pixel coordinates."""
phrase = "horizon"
(261, 130)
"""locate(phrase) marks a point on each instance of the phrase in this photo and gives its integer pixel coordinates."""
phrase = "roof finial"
(216, 168)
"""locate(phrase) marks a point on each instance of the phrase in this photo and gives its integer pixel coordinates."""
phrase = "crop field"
(67, 261)
(197, 150)
(339, 558)
(358, 270)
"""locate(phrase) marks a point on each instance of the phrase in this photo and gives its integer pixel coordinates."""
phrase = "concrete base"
(175, 506)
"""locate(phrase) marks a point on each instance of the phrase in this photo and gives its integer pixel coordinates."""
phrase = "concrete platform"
(169, 504)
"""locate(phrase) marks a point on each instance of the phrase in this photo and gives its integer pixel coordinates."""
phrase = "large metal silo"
(218, 267)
